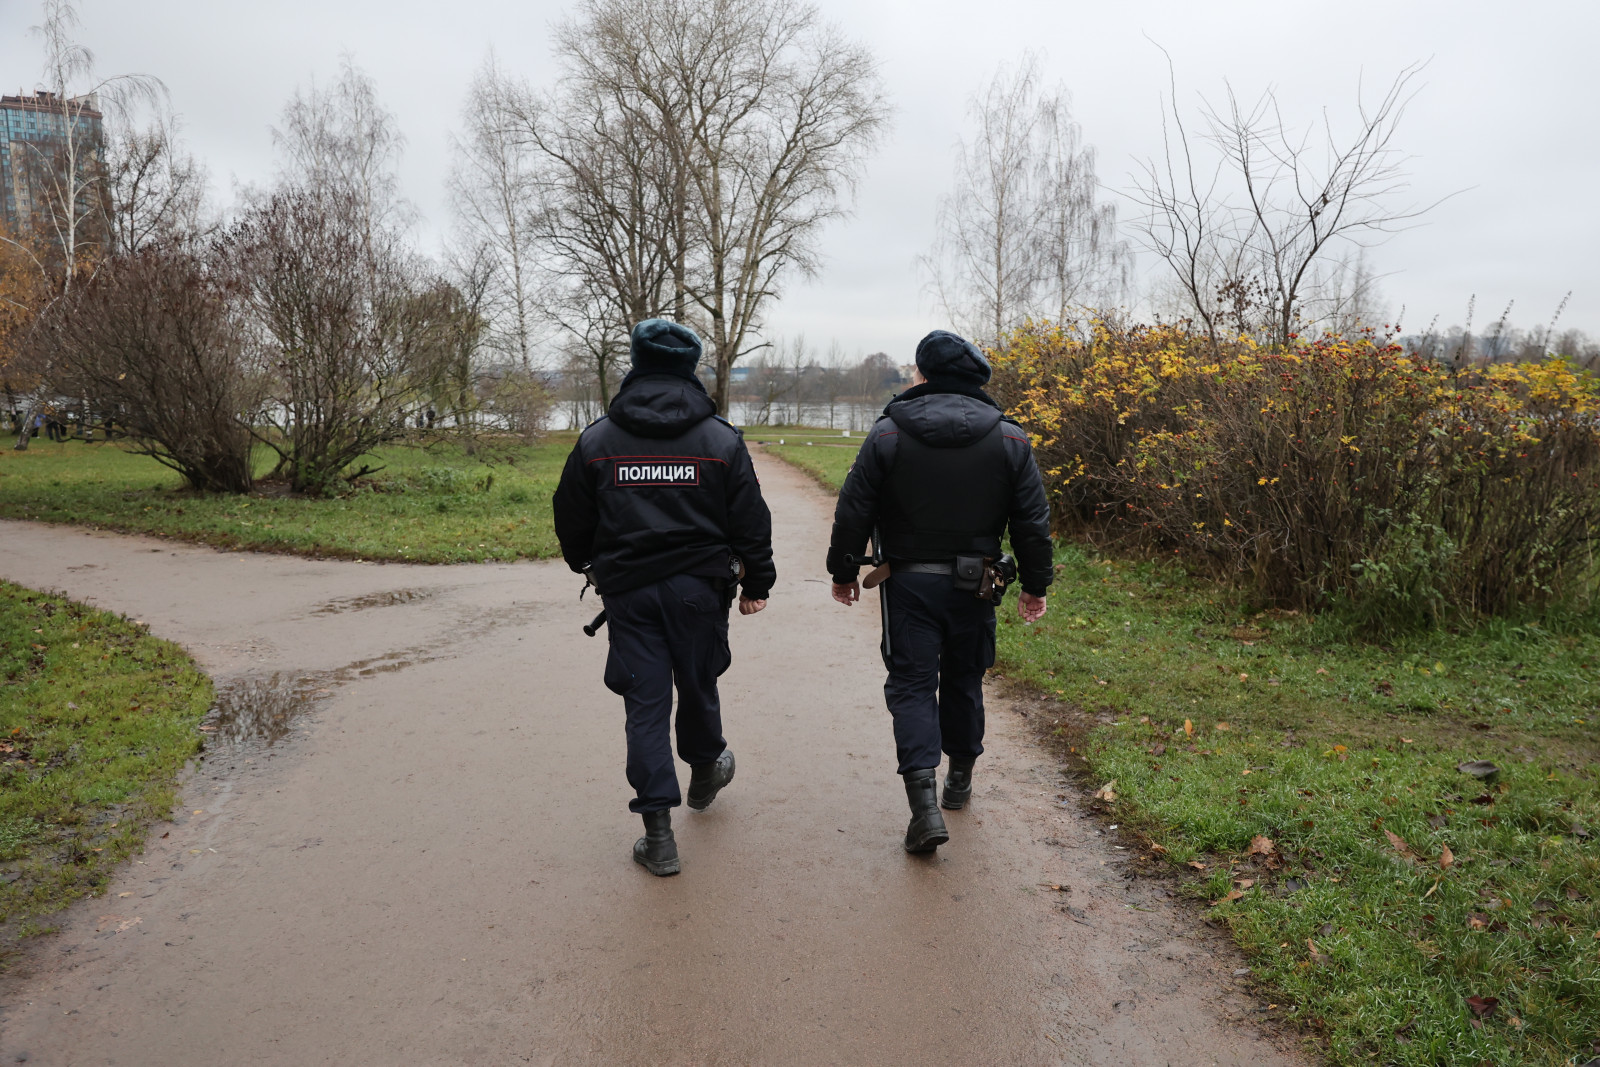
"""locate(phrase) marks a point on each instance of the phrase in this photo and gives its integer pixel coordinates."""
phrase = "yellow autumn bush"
(1337, 469)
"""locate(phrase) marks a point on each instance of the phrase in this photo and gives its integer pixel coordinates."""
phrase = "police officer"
(941, 477)
(660, 497)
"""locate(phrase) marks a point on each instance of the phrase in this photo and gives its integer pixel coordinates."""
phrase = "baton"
(876, 562)
(883, 594)
(594, 627)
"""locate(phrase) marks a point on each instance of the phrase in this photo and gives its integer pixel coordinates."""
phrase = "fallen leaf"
(1317, 957)
(1244, 883)
(1483, 1006)
(1478, 921)
(1106, 792)
(1322, 670)
(1233, 894)
(1400, 845)
(1158, 749)
(1407, 740)
(1243, 677)
(1261, 845)
(1224, 726)
(1446, 857)
(1429, 893)
(1438, 822)
(1188, 728)
(1197, 865)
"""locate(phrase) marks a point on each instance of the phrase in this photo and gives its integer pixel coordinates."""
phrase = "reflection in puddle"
(385, 599)
(261, 709)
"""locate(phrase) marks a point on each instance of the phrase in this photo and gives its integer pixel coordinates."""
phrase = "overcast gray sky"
(1503, 114)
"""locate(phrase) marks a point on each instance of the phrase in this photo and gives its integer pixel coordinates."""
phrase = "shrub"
(1333, 469)
(152, 341)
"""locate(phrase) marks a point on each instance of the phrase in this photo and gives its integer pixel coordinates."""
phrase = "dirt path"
(433, 867)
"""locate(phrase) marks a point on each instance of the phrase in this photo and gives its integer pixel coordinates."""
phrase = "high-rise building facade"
(36, 154)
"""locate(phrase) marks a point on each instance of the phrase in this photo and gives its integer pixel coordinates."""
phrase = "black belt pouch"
(968, 573)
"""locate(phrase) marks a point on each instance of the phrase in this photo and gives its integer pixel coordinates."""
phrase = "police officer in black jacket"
(941, 477)
(660, 500)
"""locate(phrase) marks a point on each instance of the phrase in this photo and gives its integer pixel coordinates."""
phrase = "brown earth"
(432, 865)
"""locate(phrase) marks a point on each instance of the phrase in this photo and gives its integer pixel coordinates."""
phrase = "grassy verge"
(827, 459)
(427, 505)
(96, 720)
(1268, 758)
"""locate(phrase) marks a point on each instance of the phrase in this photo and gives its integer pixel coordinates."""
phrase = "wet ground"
(409, 844)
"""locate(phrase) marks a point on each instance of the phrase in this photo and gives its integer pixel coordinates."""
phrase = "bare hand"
(1030, 607)
(847, 594)
(750, 607)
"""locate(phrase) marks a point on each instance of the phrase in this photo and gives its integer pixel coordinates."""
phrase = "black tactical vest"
(942, 501)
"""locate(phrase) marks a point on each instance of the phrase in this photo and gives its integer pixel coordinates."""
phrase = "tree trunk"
(27, 428)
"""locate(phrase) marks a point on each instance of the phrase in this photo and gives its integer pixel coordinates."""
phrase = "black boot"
(957, 783)
(657, 849)
(926, 831)
(707, 779)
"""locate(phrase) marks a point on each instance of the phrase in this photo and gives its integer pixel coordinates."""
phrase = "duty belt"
(924, 568)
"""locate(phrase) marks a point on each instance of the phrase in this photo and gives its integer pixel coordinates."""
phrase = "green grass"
(828, 460)
(1321, 743)
(427, 505)
(97, 718)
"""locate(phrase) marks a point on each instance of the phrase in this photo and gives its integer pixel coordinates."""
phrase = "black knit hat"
(662, 347)
(945, 359)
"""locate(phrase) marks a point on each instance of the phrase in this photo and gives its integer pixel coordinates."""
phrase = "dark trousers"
(674, 631)
(941, 641)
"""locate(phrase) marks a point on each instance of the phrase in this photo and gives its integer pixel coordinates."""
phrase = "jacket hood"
(944, 419)
(660, 405)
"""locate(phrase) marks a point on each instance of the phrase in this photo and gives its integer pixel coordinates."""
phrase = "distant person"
(429, 417)
(660, 503)
(941, 478)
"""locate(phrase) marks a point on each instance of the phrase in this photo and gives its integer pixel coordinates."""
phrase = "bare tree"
(341, 141)
(64, 172)
(765, 115)
(153, 340)
(1023, 233)
(154, 192)
(493, 188)
(1302, 199)
(347, 336)
(602, 219)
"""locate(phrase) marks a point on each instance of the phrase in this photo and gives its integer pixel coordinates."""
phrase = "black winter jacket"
(661, 486)
(998, 478)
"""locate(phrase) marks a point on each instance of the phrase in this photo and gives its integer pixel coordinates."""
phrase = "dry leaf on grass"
(1400, 845)
(1106, 792)
(1446, 857)
(1188, 728)
(1261, 845)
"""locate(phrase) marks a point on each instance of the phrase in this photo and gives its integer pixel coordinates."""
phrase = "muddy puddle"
(262, 710)
(386, 599)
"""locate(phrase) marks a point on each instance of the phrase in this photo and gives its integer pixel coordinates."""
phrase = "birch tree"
(1023, 232)
(493, 186)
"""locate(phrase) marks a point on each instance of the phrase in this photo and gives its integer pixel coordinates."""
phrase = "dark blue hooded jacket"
(944, 472)
(661, 486)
